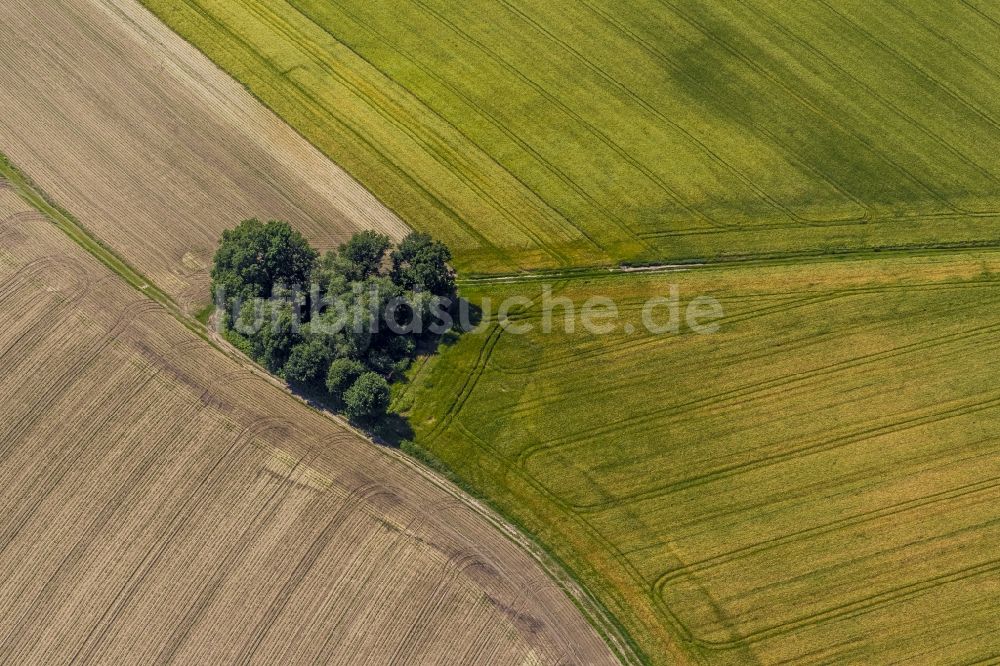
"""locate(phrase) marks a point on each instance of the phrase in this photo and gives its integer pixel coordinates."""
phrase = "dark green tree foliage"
(354, 331)
(254, 257)
(361, 257)
(267, 331)
(366, 303)
(420, 263)
(343, 372)
(368, 398)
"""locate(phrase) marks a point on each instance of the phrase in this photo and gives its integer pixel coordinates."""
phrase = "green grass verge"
(205, 315)
(38, 200)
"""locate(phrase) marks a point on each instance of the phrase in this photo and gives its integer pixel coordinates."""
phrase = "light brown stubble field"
(162, 502)
(152, 147)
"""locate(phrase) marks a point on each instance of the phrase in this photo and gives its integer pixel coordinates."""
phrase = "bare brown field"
(161, 502)
(152, 147)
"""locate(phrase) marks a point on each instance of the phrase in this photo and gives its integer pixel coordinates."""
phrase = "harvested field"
(152, 147)
(163, 503)
(818, 482)
(532, 133)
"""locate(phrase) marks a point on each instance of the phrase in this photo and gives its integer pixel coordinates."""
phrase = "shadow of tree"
(393, 429)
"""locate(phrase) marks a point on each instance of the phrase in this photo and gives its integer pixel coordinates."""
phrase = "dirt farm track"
(152, 147)
(162, 503)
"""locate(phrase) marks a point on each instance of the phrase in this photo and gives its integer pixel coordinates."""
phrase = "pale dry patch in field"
(161, 502)
(152, 147)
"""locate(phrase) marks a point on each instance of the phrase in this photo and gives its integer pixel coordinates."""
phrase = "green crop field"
(817, 481)
(583, 132)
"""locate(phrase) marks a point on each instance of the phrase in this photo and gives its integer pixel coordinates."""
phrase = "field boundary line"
(597, 616)
(309, 101)
(762, 259)
(37, 199)
(527, 148)
(434, 146)
(677, 632)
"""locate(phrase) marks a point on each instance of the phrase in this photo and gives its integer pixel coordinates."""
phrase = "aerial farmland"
(718, 379)
(157, 490)
(91, 88)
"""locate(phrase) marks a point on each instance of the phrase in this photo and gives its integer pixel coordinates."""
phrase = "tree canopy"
(254, 257)
(308, 362)
(341, 374)
(368, 397)
(361, 257)
(421, 263)
(341, 325)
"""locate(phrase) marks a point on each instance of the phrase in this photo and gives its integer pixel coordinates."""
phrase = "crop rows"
(152, 148)
(163, 503)
(806, 481)
(816, 482)
(574, 133)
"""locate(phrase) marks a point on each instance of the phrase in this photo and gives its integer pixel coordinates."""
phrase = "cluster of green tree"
(339, 325)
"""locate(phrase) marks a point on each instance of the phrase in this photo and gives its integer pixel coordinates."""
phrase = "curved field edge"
(605, 625)
(487, 125)
(939, 224)
(471, 464)
(138, 457)
(569, 434)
